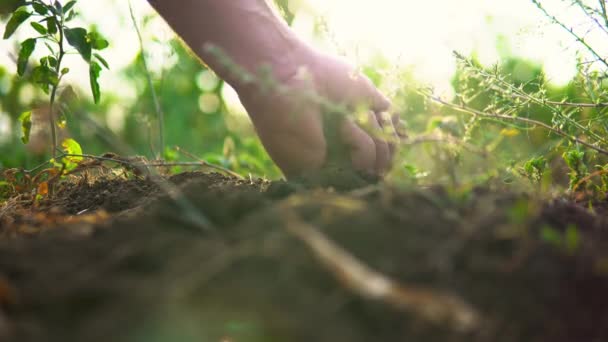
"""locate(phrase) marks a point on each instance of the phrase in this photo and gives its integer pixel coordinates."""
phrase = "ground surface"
(221, 259)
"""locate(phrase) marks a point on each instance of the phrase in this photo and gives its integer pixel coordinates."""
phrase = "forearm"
(248, 32)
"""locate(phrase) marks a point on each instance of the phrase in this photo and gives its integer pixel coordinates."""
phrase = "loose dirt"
(205, 257)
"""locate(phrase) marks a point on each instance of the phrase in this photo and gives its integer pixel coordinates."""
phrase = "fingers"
(380, 103)
(367, 93)
(386, 121)
(370, 153)
(399, 126)
(383, 154)
(371, 150)
(361, 145)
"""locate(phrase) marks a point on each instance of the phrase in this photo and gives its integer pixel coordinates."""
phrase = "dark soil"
(222, 259)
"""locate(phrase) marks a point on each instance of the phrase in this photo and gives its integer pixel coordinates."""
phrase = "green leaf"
(69, 6)
(573, 158)
(27, 48)
(19, 16)
(71, 146)
(44, 77)
(70, 16)
(49, 47)
(52, 62)
(51, 25)
(77, 37)
(94, 72)
(102, 61)
(58, 7)
(40, 8)
(26, 126)
(97, 41)
(100, 44)
(38, 77)
(39, 28)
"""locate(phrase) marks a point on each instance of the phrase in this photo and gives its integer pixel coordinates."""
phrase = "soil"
(206, 257)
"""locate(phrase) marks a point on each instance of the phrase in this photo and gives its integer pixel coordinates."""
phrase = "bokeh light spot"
(209, 103)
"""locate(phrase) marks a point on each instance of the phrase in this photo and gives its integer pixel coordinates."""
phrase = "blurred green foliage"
(453, 145)
(445, 145)
(8, 6)
(208, 136)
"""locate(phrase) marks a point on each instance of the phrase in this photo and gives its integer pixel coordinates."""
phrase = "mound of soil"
(205, 257)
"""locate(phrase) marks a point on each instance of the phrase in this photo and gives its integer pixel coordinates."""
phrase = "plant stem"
(54, 89)
(571, 31)
(157, 106)
(564, 103)
(516, 92)
(589, 12)
(588, 178)
(52, 122)
(604, 14)
(501, 117)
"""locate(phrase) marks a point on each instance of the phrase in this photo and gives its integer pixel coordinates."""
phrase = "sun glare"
(423, 34)
(413, 34)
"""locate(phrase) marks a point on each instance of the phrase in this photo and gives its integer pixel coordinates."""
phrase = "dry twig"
(434, 306)
(475, 112)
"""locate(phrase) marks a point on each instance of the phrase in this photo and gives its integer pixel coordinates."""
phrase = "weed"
(50, 20)
(569, 122)
(534, 169)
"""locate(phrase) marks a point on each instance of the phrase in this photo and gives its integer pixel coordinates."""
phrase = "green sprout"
(575, 160)
(534, 169)
(50, 20)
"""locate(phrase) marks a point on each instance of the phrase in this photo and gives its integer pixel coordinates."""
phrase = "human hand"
(299, 131)
(292, 121)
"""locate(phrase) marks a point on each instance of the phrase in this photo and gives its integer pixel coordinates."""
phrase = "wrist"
(235, 38)
(280, 58)
(282, 62)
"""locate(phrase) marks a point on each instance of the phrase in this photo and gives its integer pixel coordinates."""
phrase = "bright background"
(410, 33)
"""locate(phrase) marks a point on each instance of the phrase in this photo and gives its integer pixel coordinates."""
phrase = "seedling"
(534, 169)
(575, 160)
(50, 20)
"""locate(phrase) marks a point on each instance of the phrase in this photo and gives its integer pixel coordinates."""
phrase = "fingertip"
(381, 102)
(393, 139)
(399, 126)
(367, 92)
(383, 157)
(361, 145)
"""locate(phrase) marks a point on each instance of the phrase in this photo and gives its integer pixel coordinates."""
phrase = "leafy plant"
(534, 169)
(527, 109)
(575, 160)
(50, 20)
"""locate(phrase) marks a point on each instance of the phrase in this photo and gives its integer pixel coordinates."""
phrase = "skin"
(288, 116)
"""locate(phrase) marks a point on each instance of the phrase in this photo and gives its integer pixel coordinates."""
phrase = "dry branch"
(474, 112)
(434, 306)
